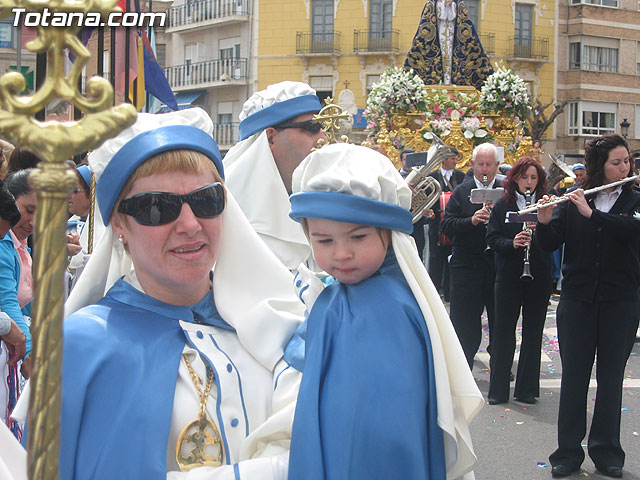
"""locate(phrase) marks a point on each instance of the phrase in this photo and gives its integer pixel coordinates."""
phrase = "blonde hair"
(182, 161)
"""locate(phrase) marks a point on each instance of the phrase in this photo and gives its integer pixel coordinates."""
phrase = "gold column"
(53, 181)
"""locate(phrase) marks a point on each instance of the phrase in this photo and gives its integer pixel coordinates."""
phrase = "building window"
(322, 21)
(6, 33)
(603, 3)
(323, 85)
(584, 55)
(380, 18)
(472, 7)
(523, 30)
(592, 118)
(371, 79)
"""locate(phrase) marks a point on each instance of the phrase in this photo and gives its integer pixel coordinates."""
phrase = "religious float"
(402, 112)
(449, 88)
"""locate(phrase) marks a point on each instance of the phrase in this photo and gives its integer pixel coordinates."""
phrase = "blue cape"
(120, 367)
(367, 403)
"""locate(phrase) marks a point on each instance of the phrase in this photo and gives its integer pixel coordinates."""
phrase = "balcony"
(534, 48)
(211, 73)
(372, 41)
(204, 13)
(488, 41)
(225, 134)
(327, 43)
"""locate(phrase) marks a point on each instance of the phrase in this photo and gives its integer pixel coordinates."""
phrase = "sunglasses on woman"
(310, 126)
(160, 208)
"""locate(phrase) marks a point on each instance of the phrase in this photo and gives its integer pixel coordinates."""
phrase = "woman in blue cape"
(386, 392)
(177, 371)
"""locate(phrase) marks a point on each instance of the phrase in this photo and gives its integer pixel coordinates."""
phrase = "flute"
(538, 206)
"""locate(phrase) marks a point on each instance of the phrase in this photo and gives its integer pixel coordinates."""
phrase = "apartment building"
(340, 47)
(598, 69)
(209, 54)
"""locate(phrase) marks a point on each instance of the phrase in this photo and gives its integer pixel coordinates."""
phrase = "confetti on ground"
(624, 409)
(523, 408)
(519, 423)
(635, 434)
(584, 474)
(542, 464)
(507, 409)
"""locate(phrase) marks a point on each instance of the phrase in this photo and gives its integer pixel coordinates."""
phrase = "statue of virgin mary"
(446, 48)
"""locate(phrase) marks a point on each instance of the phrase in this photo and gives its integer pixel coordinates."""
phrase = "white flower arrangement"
(505, 91)
(471, 128)
(397, 90)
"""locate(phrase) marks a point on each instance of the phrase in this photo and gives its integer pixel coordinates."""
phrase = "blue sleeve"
(9, 275)
(367, 406)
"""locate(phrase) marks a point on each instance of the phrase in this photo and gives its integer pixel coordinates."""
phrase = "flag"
(139, 89)
(120, 58)
(155, 81)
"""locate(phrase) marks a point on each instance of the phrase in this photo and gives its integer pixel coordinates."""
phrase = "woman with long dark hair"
(598, 309)
(515, 292)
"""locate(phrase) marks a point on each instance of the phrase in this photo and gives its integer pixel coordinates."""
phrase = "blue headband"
(344, 207)
(144, 146)
(278, 113)
(85, 173)
(578, 167)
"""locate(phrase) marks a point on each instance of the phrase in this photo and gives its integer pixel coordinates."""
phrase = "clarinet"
(526, 267)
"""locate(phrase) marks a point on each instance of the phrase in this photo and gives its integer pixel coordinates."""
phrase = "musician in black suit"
(599, 305)
(508, 241)
(471, 267)
(448, 178)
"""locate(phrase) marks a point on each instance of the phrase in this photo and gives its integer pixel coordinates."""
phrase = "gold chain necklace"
(200, 433)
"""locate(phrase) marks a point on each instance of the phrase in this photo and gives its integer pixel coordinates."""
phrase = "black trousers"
(439, 263)
(510, 296)
(471, 292)
(607, 329)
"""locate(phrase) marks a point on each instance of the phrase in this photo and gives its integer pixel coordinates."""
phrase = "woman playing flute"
(598, 309)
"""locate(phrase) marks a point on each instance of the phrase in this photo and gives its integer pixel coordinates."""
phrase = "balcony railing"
(204, 10)
(375, 40)
(210, 71)
(529, 47)
(225, 133)
(488, 41)
(327, 42)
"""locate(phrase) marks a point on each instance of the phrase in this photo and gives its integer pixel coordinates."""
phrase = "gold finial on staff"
(54, 142)
(330, 115)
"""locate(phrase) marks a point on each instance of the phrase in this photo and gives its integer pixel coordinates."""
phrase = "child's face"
(349, 252)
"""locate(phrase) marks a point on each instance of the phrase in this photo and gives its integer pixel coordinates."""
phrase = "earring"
(120, 238)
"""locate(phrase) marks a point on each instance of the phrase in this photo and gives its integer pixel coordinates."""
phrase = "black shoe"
(495, 401)
(529, 400)
(610, 471)
(558, 471)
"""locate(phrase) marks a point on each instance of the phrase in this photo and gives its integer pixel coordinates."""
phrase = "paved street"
(513, 441)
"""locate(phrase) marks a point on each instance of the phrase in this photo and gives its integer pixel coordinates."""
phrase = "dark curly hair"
(8, 208)
(596, 153)
(521, 166)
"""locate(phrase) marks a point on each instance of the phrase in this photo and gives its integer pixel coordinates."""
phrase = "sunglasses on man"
(310, 126)
(160, 208)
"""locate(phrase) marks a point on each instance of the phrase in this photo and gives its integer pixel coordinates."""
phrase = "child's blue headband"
(144, 146)
(344, 207)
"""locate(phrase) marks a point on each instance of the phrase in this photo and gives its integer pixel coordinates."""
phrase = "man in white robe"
(276, 134)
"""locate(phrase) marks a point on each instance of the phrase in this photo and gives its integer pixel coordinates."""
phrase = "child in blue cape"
(386, 392)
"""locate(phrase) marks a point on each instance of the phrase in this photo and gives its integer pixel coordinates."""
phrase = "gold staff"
(54, 142)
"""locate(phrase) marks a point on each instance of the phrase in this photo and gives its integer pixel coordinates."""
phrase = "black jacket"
(601, 254)
(508, 260)
(468, 240)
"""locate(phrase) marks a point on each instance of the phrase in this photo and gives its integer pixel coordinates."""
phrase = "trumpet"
(539, 205)
(526, 266)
